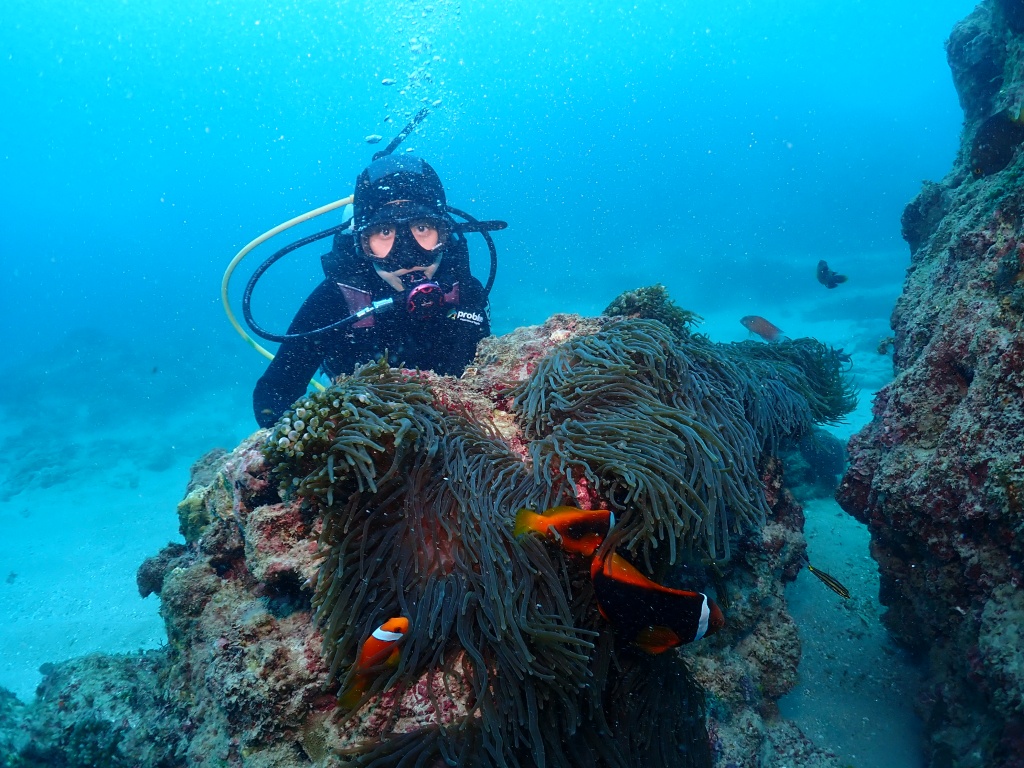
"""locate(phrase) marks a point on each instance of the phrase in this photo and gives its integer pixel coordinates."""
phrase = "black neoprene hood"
(397, 188)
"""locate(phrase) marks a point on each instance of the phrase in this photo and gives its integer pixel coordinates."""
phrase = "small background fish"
(827, 277)
(831, 582)
(766, 330)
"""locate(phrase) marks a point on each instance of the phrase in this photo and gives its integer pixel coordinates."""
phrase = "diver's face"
(379, 240)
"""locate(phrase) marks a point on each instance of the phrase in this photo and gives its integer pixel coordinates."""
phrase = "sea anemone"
(670, 429)
(417, 502)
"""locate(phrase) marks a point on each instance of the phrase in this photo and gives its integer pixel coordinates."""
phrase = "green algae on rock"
(654, 303)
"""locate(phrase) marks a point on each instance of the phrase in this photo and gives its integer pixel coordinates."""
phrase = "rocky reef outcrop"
(938, 474)
(394, 493)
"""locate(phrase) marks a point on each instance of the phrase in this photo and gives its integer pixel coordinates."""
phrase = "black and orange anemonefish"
(380, 651)
(652, 616)
(579, 531)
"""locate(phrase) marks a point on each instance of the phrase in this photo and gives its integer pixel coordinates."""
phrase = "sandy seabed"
(856, 688)
(80, 509)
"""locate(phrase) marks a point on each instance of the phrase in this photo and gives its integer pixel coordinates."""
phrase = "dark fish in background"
(827, 277)
(995, 142)
(830, 582)
(763, 328)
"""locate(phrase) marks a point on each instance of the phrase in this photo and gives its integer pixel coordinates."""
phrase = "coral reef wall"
(938, 474)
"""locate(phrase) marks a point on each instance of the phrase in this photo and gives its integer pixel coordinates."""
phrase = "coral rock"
(937, 474)
(251, 674)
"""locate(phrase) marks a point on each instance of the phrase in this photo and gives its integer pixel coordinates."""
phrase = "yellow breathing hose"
(258, 241)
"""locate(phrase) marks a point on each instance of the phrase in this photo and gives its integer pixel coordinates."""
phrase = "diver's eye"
(425, 233)
(378, 240)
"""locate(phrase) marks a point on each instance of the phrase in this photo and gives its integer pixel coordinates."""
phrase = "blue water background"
(720, 148)
(715, 147)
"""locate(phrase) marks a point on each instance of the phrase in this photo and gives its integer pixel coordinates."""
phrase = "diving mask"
(380, 240)
(405, 253)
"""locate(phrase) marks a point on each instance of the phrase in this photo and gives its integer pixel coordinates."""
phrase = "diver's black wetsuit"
(445, 345)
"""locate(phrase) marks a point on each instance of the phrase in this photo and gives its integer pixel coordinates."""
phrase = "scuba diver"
(397, 283)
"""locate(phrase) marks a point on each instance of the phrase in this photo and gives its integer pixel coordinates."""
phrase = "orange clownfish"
(379, 651)
(580, 531)
(766, 330)
(654, 617)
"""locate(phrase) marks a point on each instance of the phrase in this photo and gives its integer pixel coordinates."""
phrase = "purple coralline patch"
(938, 474)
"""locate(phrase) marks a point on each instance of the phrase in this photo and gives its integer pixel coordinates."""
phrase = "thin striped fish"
(830, 582)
